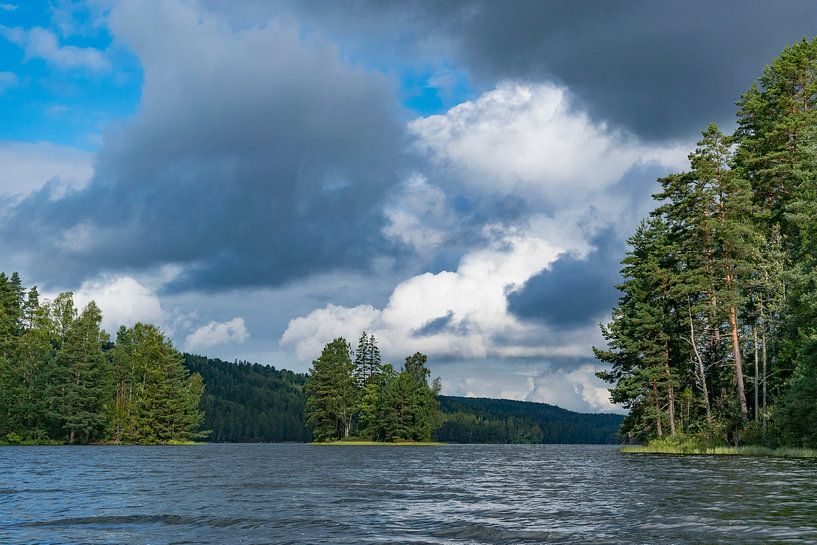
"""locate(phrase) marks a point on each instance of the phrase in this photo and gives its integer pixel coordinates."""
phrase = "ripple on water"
(459, 494)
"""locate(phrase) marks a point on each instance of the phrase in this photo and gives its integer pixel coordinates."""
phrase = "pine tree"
(332, 392)
(83, 376)
(156, 399)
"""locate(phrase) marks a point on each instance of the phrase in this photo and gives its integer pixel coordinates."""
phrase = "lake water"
(255, 494)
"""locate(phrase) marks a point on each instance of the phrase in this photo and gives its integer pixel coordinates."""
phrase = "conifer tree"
(83, 386)
(332, 392)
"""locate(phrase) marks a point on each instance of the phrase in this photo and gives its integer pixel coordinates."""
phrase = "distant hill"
(248, 402)
(486, 420)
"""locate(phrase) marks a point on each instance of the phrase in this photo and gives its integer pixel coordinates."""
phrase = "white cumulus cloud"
(460, 313)
(218, 333)
(123, 300)
(528, 139)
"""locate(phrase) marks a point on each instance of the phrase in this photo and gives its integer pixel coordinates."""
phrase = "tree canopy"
(715, 333)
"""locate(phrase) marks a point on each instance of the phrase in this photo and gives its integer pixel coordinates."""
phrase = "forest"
(249, 402)
(62, 379)
(485, 420)
(714, 338)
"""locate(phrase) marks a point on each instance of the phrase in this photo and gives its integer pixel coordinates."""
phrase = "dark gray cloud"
(662, 69)
(255, 158)
(572, 290)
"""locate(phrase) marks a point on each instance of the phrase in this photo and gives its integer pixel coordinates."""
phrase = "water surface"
(458, 494)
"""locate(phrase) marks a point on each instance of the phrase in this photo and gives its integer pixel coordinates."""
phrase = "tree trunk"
(733, 323)
(658, 430)
(670, 390)
(700, 367)
(71, 438)
(757, 378)
(764, 383)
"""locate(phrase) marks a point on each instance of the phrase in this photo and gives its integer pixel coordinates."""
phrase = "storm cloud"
(662, 69)
(573, 290)
(255, 158)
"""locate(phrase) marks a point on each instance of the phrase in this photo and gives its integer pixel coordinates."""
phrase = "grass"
(380, 443)
(748, 450)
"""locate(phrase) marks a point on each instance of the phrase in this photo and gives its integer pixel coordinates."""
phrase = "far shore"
(747, 450)
(64, 444)
(379, 443)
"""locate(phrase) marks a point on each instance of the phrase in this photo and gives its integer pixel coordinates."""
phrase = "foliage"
(62, 380)
(250, 403)
(482, 420)
(363, 398)
(714, 332)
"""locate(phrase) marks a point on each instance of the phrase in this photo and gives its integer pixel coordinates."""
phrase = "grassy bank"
(748, 450)
(380, 444)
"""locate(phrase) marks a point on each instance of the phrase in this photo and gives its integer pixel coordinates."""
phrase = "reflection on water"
(231, 494)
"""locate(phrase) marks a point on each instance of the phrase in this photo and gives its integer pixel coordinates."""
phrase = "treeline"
(484, 420)
(247, 403)
(62, 380)
(715, 334)
(352, 394)
(250, 403)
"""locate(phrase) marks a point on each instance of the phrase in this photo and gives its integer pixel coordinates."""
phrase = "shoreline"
(752, 451)
(378, 444)
(63, 444)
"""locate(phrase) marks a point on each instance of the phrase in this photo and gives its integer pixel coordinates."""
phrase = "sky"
(457, 178)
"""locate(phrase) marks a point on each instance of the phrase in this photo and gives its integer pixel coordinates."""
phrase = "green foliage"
(332, 393)
(250, 403)
(481, 420)
(157, 400)
(60, 380)
(719, 299)
(363, 398)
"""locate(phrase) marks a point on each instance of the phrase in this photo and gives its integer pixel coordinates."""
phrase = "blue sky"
(71, 103)
(50, 98)
(459, 178)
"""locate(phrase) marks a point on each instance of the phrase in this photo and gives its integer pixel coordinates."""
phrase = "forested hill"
(246, 402)
(249, 402)
(485, 420)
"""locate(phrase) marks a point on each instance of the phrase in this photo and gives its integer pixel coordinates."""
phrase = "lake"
(457, 494)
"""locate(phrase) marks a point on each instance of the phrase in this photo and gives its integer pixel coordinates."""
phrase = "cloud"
(279, 170)
(8, 80)
(40, 43)
(530, 139)
(7, 7)
(574, 387)
(419, 215)
(28, 167)
(574, 289)
(657, 69)
(218, 333)
(123, 300)
(448, 314)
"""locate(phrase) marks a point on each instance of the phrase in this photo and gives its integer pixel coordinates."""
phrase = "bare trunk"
(670, 390)
(733, 323)
(700, 367)
(757, 377)
(71, 438)
(764, 383)
(658, 429)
